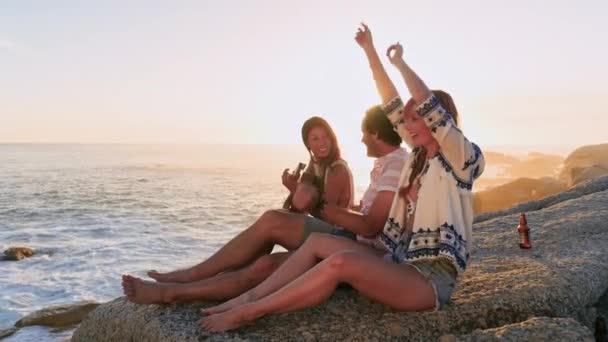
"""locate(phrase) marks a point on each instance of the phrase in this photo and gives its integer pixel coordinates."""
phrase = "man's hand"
(305, 197)
(364, 37)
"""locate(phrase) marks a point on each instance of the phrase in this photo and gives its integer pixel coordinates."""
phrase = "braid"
(418, 163)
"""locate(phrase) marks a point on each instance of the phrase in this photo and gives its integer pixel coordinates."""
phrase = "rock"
(534, 329)
(563, 275)
(58, 316)
(8, 332)
(18, 253)
(595, 171)
(580, 190)
(449, 338)
(600, 329)
(581, 159)
(601, 335)
(519, 191)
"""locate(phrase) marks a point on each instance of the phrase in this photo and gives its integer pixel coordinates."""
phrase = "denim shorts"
(314, 225)
(442, 275)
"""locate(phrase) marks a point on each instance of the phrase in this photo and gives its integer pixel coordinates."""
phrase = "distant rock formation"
(563, 275)
(497, 158)
(539, 177)
(583, 189)
(585, 163)
(58, 316)
(18, 253)
(515, 192)
(537, 165)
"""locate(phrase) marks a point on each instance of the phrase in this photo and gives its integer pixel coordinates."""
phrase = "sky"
(527, 73)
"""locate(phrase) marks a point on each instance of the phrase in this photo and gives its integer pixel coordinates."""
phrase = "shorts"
(440, 272)
(314, 225)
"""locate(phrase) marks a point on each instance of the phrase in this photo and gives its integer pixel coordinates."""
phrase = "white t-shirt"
(383, 177)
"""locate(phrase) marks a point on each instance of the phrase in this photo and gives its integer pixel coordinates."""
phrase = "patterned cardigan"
(443, 219)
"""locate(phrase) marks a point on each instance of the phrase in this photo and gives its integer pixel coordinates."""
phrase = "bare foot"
(228, 320)
(180, 276)
(127, 285)
(145, 292)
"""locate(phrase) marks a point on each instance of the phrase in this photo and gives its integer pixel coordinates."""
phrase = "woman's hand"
(364, 37)
(290, 180)
(395, 53)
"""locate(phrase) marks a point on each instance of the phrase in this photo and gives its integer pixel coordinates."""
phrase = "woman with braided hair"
(426, 239)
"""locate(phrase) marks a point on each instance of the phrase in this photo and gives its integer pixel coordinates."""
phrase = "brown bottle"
(524, 232)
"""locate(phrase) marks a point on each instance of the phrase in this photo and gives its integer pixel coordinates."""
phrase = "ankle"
(186, 276)
(250, 312)
(167, 294)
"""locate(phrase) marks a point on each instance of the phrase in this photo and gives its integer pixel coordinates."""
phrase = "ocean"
(94, 212)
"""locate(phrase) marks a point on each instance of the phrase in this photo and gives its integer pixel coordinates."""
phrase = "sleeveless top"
(321, 174)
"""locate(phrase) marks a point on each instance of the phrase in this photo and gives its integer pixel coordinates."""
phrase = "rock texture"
(563, 275)
(593, 156)
(8, 332)
(18, 253)
(58, 316)
(591, 172)
(535, 329)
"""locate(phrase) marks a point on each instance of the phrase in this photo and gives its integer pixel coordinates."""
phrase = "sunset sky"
(521, 72)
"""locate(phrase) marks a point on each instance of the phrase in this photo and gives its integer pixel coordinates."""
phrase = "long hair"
(334, 153)
(419, 154)
(447, 103)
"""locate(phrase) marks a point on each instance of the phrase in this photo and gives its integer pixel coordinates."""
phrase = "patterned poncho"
(443, 220)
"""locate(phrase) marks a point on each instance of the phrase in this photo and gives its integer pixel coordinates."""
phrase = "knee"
(341, 262)
(269, 215)
(319, 244)
(271, 221)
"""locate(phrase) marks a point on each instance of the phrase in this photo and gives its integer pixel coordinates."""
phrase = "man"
(245, 261)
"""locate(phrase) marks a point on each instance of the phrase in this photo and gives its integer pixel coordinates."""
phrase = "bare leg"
(220, 287)
(398, 286)
(273, 227)
(317, 247)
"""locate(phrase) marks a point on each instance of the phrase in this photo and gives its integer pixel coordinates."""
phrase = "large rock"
(518, 191)
(18, 253)
(580, 175)
(580, 160)
(563, 275)
(580, 190)
(8, 332)
(58, 316)
(534, 329)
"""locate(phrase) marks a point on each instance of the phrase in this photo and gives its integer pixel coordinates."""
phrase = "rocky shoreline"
(563, 276)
